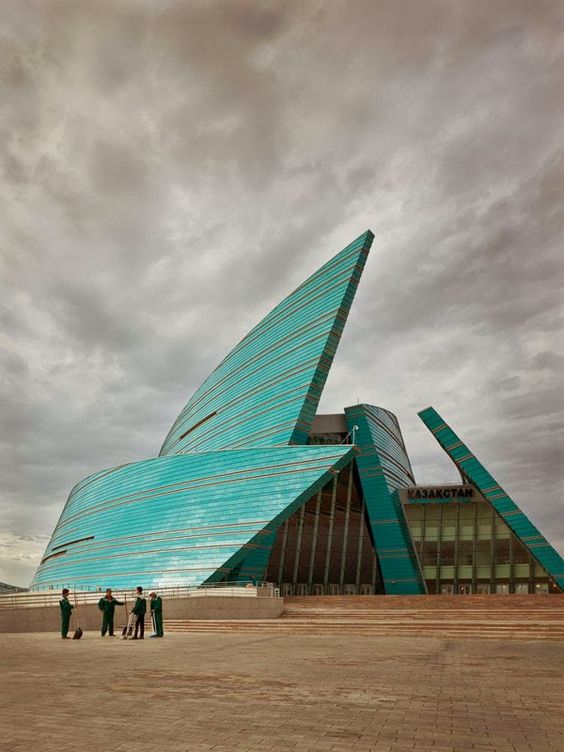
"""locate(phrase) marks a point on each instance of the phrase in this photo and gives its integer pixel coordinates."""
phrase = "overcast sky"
(171, 170)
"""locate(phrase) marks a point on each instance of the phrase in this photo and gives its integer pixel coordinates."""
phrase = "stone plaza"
(223, 692)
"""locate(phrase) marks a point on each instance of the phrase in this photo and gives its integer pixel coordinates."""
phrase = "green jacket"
(140, 607)
(107, 606)
(157, 604)
(66, 606)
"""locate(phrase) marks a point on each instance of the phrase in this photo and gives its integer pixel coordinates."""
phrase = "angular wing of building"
(184, 518)
(251, 483)
(546, 557)
(266, 391)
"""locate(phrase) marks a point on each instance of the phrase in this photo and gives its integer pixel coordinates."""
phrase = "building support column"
(360, 544)
(314, 541)
(298, 545)
(283, 553)
(346, 528)
(330, 532)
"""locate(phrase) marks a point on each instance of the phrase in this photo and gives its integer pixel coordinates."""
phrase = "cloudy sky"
(170, 170)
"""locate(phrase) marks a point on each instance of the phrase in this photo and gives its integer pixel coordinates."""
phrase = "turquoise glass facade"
(266, 391)
(185, 518)
(384, 467)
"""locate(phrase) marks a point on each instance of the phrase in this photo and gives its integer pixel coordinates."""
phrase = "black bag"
(78, 631)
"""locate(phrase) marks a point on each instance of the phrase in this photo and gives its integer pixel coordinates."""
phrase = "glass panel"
(466, 553)
(483, 553)
(429, 557)
(501, 529)
(466, 530)
(447, 553)
(485, 528)
(520, 553)
(483, 572)
(502, 552)
(413, 512)
(447, 573)
(521, 570)
(450, 513)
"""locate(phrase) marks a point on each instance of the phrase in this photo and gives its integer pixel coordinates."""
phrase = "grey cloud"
(171, 170)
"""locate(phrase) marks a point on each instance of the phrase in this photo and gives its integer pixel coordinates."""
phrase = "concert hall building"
(251, 483)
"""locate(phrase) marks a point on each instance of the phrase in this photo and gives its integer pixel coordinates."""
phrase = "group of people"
(107, 605)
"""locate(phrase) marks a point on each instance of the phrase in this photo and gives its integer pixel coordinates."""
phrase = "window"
(502, 552)
(429, 558)
(483, 553)
(447, 554)
(465, 553)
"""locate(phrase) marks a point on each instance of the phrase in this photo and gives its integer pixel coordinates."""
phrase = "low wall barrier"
(82, 597)
(39, 611)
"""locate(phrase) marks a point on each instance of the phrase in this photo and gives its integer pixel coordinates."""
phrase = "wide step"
(535, 631)
(473, 617)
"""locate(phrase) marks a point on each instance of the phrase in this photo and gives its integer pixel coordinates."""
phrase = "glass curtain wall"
(465, 547)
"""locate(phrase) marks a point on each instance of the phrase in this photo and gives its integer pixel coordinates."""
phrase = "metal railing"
(82, 596)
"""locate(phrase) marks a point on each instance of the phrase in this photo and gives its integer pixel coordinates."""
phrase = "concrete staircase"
(514, 617)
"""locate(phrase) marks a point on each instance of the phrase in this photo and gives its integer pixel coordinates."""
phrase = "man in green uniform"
(157, 614)
(66, 610)
(139, 609)
(108, 604)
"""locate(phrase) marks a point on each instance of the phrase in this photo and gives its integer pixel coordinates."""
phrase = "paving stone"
(281, 693)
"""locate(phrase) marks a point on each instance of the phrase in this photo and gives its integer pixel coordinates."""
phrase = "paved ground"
(194, 693)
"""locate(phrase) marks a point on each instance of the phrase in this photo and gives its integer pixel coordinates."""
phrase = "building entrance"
(325, 548)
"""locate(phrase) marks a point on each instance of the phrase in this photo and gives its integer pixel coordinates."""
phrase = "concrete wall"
(47, 618)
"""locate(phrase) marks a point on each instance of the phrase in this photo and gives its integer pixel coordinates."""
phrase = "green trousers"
(158, 617)
(107, 624)
(65, 623)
